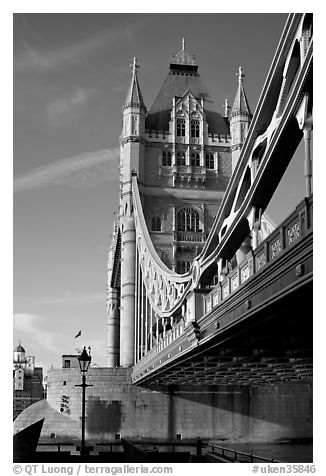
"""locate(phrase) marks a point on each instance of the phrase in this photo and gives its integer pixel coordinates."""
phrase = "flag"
(77, 335)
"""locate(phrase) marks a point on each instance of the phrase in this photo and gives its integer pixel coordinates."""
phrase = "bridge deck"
(260, 331)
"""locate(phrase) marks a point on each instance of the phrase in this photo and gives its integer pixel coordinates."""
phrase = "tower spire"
(240, 105)
(239, 119)
(134, 95)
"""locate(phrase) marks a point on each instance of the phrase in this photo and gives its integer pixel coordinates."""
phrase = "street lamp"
(84, 360)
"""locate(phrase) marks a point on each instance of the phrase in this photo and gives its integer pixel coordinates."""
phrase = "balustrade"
(198, 237)
(187, 175)
(163, 342)
(280, 240)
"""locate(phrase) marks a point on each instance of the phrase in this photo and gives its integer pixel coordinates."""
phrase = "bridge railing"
(163, 342)
(239, 456)
(292, 230)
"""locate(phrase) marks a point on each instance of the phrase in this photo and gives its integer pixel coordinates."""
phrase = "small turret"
(240, 119)
(133, 132)
(134, 109)
(19, 356)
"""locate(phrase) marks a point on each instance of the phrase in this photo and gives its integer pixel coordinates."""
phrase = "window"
(195, 128)
(134, 125)
(166, 158)
(181, 158)
(181, 127)
(188, 220)
(195, 160)
(156, 224)
(209, 161)
(66, 364)
(183, 266)
(64, 382)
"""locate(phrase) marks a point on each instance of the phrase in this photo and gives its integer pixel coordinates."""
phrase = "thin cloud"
(28, 326)
(45, 61)
(34, 59)
(70, 299)
(61, 106)
(31, 58)
(98, 166)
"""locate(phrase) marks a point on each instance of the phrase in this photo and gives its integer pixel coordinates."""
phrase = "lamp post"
(84, 360)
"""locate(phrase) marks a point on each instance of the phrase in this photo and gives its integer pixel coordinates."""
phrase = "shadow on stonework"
(103, 415)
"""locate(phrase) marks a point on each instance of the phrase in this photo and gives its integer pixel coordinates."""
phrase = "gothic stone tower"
(181, 153)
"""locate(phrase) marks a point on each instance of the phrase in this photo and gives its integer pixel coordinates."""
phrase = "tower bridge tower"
(182, 152)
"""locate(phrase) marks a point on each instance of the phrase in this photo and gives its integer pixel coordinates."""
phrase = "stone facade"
(114, 405)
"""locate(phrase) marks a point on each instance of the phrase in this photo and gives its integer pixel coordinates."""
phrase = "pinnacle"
(134, 95)
(240, 105)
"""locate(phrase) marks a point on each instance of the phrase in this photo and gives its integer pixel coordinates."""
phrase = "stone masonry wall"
(265, 413)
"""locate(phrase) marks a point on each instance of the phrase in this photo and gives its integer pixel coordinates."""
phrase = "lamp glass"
(84, 359)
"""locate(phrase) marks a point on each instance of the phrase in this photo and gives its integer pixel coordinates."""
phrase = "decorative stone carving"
(299, 270)
(260, 261)
(276, 248)
(293, 233)
(248, 304)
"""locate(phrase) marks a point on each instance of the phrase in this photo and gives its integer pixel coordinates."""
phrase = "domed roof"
(19, 348)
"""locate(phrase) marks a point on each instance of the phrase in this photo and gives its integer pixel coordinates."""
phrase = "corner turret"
(240, 119)
(133, 133)
(134, 109)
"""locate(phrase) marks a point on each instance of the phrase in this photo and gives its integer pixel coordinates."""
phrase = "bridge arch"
(243, 189)
(257, 155)
(292, 66)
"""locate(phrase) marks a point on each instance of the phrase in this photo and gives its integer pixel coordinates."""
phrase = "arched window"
(156, 224)
(183, 266)
(195, 128)
(134, 125)
(181, 127)
(209, 161)
(181, 158)
(187, 220)
(195, 160)
(166, 158)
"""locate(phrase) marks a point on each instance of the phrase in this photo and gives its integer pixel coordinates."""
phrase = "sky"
(71, 74)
